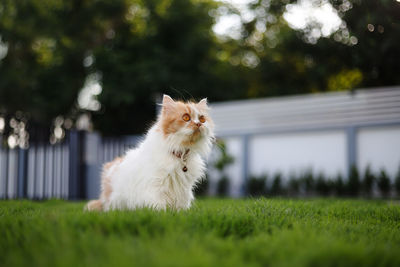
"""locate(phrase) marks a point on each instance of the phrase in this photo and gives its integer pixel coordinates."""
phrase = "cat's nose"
(198, 124)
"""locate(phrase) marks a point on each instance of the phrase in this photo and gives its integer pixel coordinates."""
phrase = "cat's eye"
(186, 117)
(202, 119)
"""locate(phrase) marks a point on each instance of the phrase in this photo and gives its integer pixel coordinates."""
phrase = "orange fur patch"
(172, 117)
(106, 180)
(94, 205)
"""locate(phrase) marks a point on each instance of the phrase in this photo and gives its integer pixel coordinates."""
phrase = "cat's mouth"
(193, 137)
(196, 134)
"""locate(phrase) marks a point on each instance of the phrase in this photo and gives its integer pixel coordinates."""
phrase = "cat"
(163, 170)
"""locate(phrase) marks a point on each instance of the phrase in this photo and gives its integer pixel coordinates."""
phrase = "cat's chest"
(188, 168)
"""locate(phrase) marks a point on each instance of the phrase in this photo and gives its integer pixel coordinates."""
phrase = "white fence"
(327, 133)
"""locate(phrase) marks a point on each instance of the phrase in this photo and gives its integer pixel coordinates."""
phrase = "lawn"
(215, 232)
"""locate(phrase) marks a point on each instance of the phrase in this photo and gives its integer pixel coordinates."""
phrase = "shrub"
(225, 158)
(257, 186)
(293, 186)
(397, 182)
(368, 182)
(321, 185)
(223, 186)
(308, 182)
(339, 186)
(276, 188)
(201, 188)
(353, 183)
(384, 183)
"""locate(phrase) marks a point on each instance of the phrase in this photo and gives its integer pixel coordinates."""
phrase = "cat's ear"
(203, 103)
(167, 102)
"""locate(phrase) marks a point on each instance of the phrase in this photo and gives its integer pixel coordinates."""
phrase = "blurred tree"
(139, 49)
(376, 27)
(362, 51)
(42, 70)
(159, 47)
(142, 48)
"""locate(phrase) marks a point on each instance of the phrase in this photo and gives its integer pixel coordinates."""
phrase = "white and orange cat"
(163, 170)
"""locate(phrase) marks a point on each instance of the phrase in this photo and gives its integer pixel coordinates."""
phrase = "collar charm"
(183, 157)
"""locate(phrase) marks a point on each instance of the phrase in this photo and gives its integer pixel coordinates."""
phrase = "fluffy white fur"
(152, 176)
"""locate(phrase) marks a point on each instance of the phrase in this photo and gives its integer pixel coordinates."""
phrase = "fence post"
(22, 175)
(245, 163)
(3, 171)
(92, 165)
(76, 179)
(351, 148)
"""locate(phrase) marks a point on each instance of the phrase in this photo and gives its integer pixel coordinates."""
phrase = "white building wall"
(295, 153)
(234, 171)
(315, 129)
(379, 147)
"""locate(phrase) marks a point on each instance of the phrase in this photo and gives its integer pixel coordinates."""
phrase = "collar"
(180, 154)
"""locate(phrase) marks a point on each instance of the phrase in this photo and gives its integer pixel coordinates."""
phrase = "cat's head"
(187, 123)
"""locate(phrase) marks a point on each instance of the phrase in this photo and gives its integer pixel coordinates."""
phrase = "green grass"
(215, 232)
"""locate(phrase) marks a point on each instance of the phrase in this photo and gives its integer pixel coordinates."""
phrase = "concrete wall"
(323, 151)
(380, 148)
(294, 153)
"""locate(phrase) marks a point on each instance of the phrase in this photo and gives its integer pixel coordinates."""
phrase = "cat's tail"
(94, 205)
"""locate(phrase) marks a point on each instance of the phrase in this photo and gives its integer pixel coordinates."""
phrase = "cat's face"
(189, 121)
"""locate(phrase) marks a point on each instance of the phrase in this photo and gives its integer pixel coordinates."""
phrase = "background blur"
(80, 79)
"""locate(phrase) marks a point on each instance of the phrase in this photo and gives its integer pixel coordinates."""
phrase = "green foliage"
(257, 186)
(223, 186)
(141, 49)
(294, 62)
(144, 48)
(339, 186)
(263, 232)
(322, 185)
(201, 188)
(293, 186)
(169, 48)
(308, 182)
(368, 182)
(373, 45)
(224, 158)
(277, 187)
(383, 183)
(353, 184)
(345, 80)
(308, 186)
(397, 182)
(42, 71)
